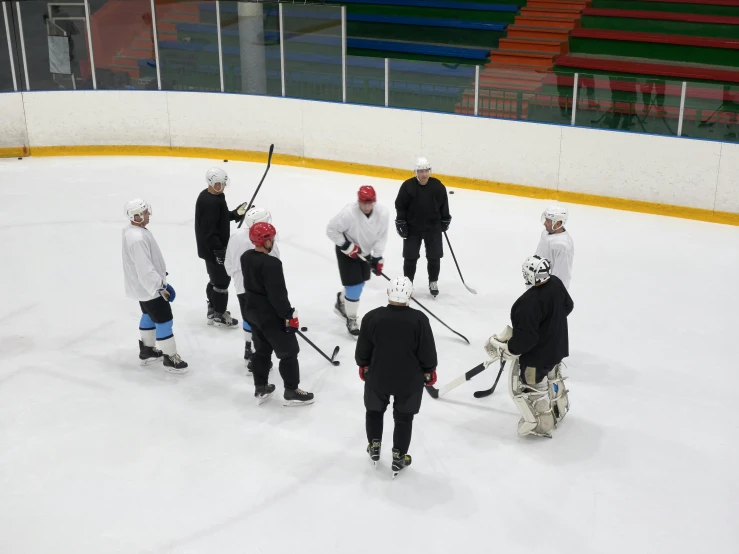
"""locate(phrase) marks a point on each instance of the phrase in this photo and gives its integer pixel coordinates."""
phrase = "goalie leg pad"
(558, 393)
(532, 401)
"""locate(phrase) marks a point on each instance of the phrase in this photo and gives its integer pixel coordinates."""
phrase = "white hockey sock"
(148, 336)
(247, 336)
(351, 307)
(167, 346)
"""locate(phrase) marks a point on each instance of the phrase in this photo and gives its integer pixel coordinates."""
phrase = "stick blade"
(473, 291)
(483, 393)
(333, 356)
(433, 391)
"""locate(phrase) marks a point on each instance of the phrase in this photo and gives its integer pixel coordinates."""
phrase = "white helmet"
(536, 270)
(216, 175)
(256, 215)
(422, 163)
(400, 290)
(554, 213)
(136, 207)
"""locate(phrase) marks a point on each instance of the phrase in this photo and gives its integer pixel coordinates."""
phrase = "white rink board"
(680, 172)
(13, 132)
(83, 118)
(727, 191)
(362, 134)
(492, 149)
(209, 120)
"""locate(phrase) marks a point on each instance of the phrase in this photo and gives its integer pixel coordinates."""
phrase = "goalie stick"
(251, 202)
(436, 393)
(488, 392)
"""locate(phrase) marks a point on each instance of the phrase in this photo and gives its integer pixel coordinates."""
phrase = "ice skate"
(374, 451)
(434, 288)
(210, 314)
(339, 306)
(352, 326)
(225, 320)
(175, 364)
(149, 354)
(297, 397)
(262, 394)
(400, 462)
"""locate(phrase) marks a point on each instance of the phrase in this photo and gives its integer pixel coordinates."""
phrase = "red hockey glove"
(377, 265)
(351, 250)
(292, 324)
(362, 371)
(430, 378)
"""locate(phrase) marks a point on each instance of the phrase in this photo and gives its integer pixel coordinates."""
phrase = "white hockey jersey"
(559, 249)
(369, 233)
(144, 270)
(237, 245)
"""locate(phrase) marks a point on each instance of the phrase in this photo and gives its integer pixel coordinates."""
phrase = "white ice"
(99, 455)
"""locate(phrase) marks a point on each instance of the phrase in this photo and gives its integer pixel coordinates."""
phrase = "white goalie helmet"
(257, 215)
(400, 290)
(422, 163)
(554, 213)
(136, 207)
(536, 270)
(216, 175)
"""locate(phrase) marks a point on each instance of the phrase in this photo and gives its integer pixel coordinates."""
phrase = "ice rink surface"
(99, 455)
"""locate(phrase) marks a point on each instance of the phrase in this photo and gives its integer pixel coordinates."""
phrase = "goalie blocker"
(534, 347)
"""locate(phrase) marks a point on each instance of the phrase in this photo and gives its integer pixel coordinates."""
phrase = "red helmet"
(367, 194)
(261, 232)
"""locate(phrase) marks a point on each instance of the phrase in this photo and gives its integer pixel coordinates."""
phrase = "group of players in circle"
(395, 351)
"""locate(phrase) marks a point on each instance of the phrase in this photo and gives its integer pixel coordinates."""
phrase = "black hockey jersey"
(397, 344)
(264, 285)
(539, 321)
(422, 206)
(212, 224)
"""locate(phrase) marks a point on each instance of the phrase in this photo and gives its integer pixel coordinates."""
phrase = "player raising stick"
(145, 277)
(360, 229)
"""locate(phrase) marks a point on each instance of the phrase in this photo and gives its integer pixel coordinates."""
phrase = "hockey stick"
(269, 163)
(436, 393)
(331, 359)
(484, 393)
(426, 309)
(473, 291)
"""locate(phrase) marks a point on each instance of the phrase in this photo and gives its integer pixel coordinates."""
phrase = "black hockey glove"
(377, 264)
(402, 227)
(220, 256)
(445, 224)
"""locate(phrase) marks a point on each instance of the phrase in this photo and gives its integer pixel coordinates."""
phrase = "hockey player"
(145, 278)
(358, 231)
(422, 216)
(535, 347)
(396, 356)
(556, 244)
(273, 319)
(212, 218)
(237, 245)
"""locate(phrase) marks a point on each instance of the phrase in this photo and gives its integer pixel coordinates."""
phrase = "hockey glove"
(377, 265)
(445, 224)
(241, 210)
(220, 256)
(402, 227)
(350, 249)
(168, 293)
(430, 378)
(292, 324)
(363, 371)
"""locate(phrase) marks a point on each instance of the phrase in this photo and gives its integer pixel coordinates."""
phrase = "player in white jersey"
(145, 279)
(237, 245)
(360, 229)
(556, 243)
